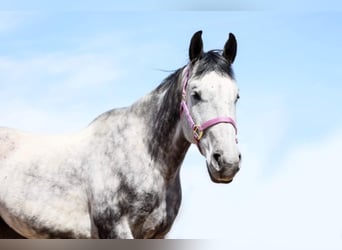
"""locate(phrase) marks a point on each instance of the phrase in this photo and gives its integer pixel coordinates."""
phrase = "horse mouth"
(220, 177)
(220, 181)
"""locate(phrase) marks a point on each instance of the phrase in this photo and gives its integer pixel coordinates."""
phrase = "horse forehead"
(217, 81)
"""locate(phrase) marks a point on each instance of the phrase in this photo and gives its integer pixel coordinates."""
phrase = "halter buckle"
(197, 132)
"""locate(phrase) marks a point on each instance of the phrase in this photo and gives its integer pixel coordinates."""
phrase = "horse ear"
(196, 47)
(230, 48)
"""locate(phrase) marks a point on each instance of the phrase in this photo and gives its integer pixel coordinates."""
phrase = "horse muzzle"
(223, 170)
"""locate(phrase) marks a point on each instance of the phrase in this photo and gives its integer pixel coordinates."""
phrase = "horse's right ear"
(196, 47)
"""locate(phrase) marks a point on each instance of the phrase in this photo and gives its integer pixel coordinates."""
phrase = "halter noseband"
(198, 130)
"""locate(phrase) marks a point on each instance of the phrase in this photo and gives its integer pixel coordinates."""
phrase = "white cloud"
(9, 20)
(42, 92)
(13, 21)
(22, 115)
(298, 208)
(71, 70)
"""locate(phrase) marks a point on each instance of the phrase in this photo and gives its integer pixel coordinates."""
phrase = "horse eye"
(196, 96)
(237, 98)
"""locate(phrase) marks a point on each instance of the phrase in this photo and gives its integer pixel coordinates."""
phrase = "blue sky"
(60, 69)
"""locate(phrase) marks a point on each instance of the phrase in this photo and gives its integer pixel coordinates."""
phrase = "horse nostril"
(217, 157)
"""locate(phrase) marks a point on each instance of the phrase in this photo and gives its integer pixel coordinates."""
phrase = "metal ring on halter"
(198, 132)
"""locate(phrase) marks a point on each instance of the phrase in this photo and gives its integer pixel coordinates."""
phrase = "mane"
(167, 115)
(214, 61)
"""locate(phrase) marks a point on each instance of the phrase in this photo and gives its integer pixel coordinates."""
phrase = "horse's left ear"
(230, 48)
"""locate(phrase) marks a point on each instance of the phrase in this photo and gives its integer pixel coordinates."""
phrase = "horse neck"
(166, 142)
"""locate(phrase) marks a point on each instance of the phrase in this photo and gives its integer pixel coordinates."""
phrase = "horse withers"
(120, 176)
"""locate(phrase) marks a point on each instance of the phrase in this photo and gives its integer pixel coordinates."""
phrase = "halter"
(198, 130)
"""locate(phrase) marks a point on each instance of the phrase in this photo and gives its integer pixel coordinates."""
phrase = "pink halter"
(198, 130)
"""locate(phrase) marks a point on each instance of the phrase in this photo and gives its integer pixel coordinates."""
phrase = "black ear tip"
(232, 36)
(198, 33)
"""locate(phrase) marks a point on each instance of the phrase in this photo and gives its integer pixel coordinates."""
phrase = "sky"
(61, 66)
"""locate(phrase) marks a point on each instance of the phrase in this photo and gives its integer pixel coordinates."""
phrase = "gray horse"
(119, 177)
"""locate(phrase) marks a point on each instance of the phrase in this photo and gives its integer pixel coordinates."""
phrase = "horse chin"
(217, 178)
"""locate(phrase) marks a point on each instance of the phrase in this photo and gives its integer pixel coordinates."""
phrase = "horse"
(119, 177)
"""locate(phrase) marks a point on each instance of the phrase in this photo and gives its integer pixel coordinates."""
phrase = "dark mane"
(167, 115)
(214, 61)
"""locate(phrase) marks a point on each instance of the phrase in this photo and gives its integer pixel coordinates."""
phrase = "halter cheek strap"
(198, 130)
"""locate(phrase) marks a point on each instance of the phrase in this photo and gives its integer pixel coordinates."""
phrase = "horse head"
(208, 107)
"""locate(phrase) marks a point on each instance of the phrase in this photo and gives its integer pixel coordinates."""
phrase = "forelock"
(213, 61)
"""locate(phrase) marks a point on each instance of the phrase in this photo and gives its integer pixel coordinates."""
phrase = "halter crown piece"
(198, 130)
